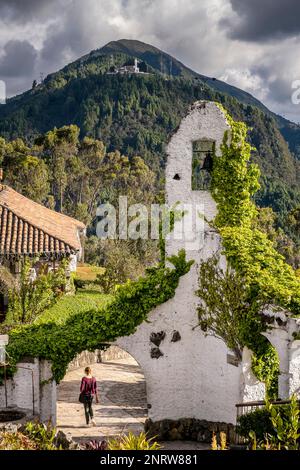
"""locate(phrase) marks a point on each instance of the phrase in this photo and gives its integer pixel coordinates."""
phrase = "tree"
(267, 221)
(120, 265)
(33, 296)
(294, 219)
(32, 179)
(227, 310)
(60, 146)
(24, 171)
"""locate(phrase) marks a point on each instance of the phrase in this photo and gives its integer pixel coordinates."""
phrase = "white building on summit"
(126, 69)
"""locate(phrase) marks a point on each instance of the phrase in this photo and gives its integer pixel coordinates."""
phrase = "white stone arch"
(121, 385)
(129, 348)
(280, 333)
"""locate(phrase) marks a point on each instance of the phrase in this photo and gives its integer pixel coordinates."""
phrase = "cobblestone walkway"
(123, 405)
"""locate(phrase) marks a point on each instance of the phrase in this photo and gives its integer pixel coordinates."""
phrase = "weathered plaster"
(192, 378)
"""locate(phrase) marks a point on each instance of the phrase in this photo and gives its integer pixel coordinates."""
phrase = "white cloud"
(243, 78)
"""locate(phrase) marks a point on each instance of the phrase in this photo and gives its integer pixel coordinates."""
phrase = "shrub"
(95, 445)
(257, 421)
(16, 441)
(286, 426)
(32, 297)
(273, 427)
(42, 435)
(34, 436)
(133, 442)
(222, 444)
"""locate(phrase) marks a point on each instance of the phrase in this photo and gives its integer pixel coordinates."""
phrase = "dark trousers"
(88, 401)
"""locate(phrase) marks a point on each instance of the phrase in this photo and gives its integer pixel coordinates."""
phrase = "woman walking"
(88, 390)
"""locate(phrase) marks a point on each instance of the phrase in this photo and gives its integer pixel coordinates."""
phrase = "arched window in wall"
(203, 152)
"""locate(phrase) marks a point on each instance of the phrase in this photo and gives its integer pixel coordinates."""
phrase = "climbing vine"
(247, 249)
(174, 215)
(87, 331)
(231, 312)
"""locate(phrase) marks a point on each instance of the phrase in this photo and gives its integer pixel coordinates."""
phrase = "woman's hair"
(87, 370)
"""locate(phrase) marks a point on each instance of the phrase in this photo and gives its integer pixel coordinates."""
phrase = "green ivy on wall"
(248, 250)
(87, 331)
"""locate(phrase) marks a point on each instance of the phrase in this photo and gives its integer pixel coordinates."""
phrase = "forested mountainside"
(136, 114)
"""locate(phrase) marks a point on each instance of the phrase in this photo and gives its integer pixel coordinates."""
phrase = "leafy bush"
(257, 421)
(133, 442)
(16, 441)
(31, 297)
(41, 434)
(34, 436)
(95, 445)
(222, 444)
(273, 427)
(286, 426)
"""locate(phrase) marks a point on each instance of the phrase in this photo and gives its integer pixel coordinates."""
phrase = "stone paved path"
(122, 407)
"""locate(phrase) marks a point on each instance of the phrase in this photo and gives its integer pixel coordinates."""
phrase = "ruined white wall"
(281, 336)
(47, 393)
(294, 368)
(23, 390)
(193, 377)
(32, 389)
(252, 389)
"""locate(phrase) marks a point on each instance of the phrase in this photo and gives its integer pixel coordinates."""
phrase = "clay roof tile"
(27, 227)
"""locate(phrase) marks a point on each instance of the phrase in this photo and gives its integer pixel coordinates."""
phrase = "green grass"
(69, 305)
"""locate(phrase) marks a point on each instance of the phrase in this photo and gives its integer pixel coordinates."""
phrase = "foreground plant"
(43, 435)
(35, 436)
(133, 442)
(286, 426)
(95, 445)
(16, 441)
(223, 442)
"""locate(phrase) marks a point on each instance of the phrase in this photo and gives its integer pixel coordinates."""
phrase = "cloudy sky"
(251, 44)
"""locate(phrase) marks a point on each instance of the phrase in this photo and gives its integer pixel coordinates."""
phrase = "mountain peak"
(168, 65)
(127, 46)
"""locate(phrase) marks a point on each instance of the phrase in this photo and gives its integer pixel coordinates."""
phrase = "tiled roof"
(27, 227)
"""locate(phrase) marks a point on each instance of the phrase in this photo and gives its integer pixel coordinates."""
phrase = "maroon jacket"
(88, 386)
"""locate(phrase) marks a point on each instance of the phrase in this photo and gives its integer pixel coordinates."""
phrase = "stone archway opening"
(122, 390)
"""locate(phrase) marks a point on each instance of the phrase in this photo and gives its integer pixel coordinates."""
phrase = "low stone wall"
(114, 352)
(188, 429)
(86, 357)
